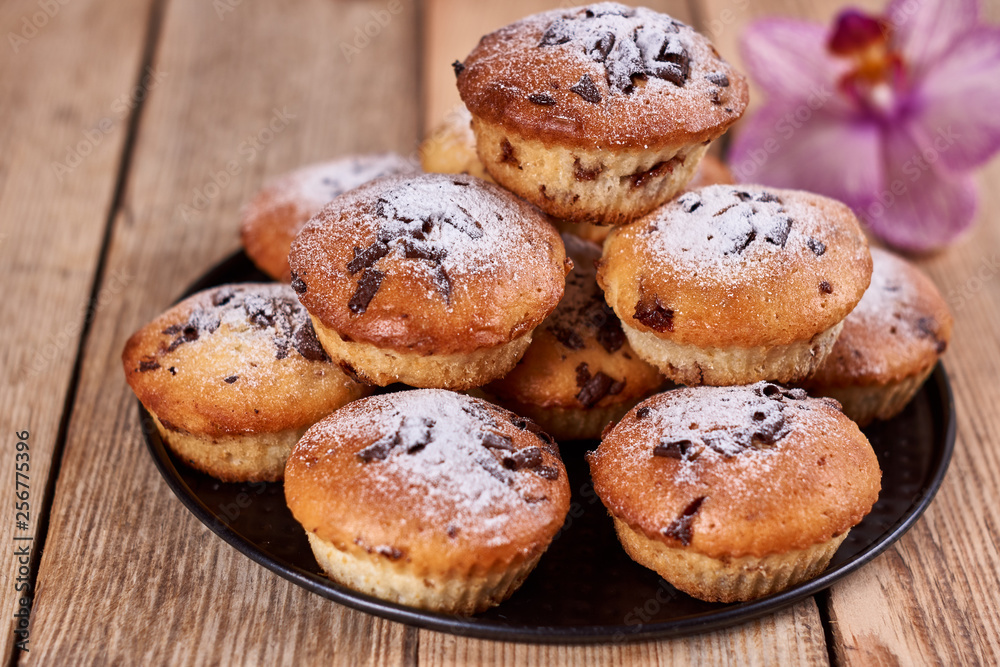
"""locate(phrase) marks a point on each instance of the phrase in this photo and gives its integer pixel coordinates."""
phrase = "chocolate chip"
(298, 284)
(643, 412)
(392, 553)
(173, 329)
(771, 391)
(222, 297)
(529, 457)
(587, 89)
(640, 179)
(741, 195)
(652, 313)
(569, 338)
(542, 99)
(680, 528)
(497, 441)
(582, 374)
(231, 379)
(826, 288)
(547, 472)
(767, 197)
(743, 240)
(379, 449)
(818, 247)
(370, 281)
(690, 202)
(526, 424)
(777, 231)
(677, 449)
(611, 336)
(558, 32)
(173, 370)
(367, 257)
(305, 342)
(796, 394)
(452, 530)
(583, 174)
(718, 78)
(458, 66)
(147, 365)
(596, 388)
(416, 248)
(507, 152)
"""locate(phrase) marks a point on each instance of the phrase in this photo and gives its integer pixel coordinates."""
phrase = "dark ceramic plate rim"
(490, 629)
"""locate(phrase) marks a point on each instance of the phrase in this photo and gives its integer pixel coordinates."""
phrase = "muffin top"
(899, 329)
(235, 359)
(276, 214)
(429, 474)
(602, 75)
(432, 264)
(579, 357)
(737, 471)
(737, 266)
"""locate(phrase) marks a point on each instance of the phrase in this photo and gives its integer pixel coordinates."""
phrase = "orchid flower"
(889, 114)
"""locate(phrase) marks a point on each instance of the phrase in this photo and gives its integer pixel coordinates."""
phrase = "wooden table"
(132, 132)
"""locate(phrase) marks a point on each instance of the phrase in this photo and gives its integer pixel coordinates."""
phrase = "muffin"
(736, 284)
(579, 373)
(451, 147)
(428, 498)
(735, 493)
(275, 215)
(232, 377)
(889, 345)
(711, 171)
(597, 114)
(433, 281)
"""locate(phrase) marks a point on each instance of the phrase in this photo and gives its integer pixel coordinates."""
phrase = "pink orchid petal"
(925, 29)
(960, 99)
(788, 58)
(825, 153)
(922, 207)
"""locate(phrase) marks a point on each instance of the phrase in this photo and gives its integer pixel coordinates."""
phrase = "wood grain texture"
(128, 575)
(54, 209)
(790, 637)
(932, 598)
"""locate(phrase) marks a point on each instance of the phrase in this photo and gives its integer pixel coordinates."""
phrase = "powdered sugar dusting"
(726, 228)
(451, 455)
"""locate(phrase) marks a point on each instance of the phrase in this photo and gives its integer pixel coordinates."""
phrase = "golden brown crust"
(276, 214)
(899, 329)
(720, 275)
(451, 147)
(523, 77)
(434, 496)
(796, 476)
(236, 359)
(486, 266)
(579, 357)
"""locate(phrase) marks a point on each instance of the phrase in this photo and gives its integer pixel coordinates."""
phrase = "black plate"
(585, 588)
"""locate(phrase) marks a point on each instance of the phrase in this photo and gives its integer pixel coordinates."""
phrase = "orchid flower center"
(875, 79)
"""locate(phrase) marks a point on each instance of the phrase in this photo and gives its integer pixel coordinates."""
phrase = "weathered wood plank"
(66, 109)
(128, 575)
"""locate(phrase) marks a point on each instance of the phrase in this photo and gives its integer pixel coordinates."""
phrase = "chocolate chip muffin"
(736, 284)
(579, 373)
(276, 214)
(734, 493)
(889, 345)
(428, 498)
(433, 281)
(600, 113)
(232, 377)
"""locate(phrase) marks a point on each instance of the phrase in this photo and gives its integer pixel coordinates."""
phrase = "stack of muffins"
(593, 121)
